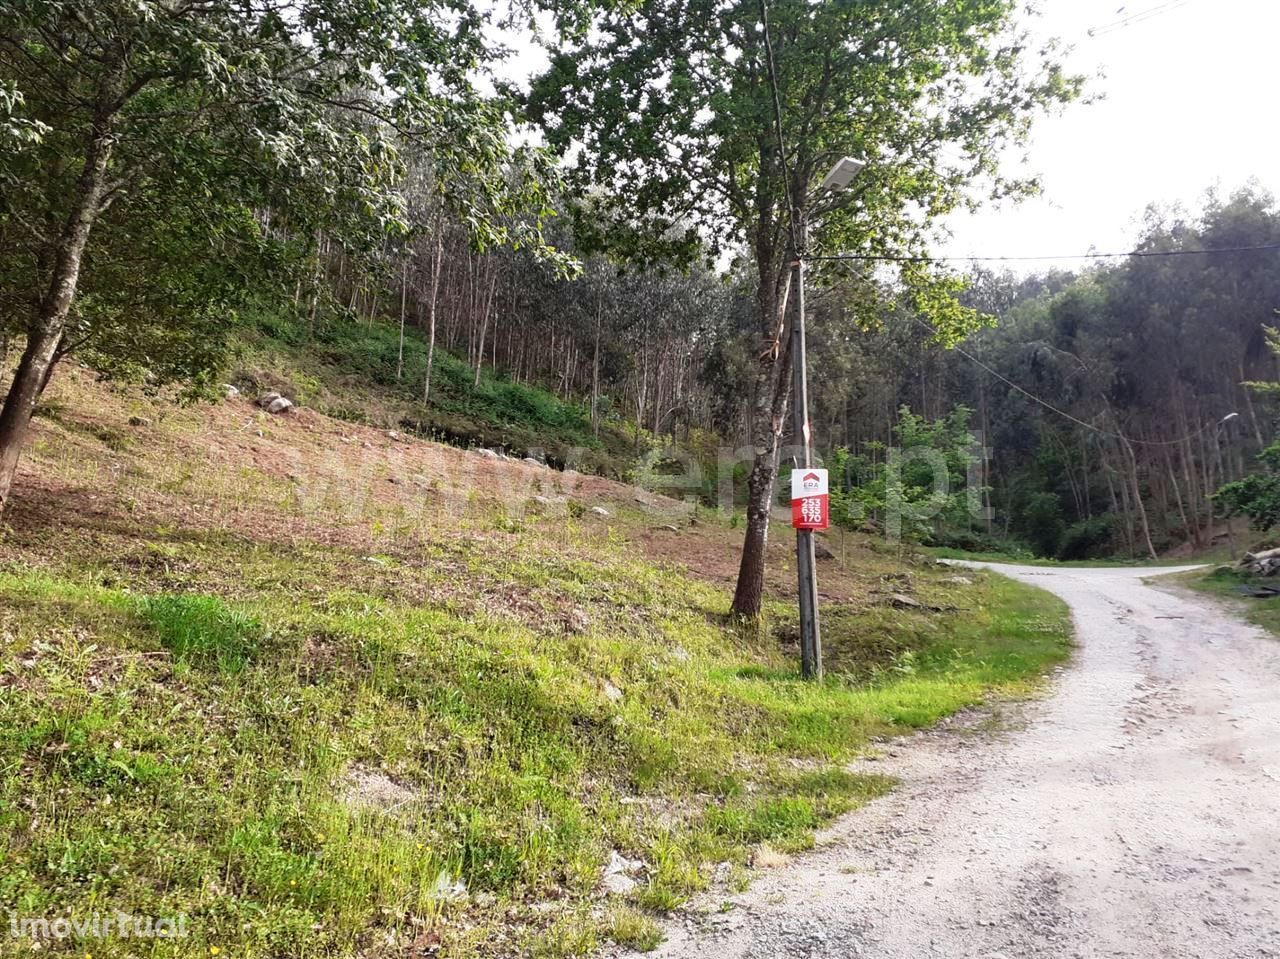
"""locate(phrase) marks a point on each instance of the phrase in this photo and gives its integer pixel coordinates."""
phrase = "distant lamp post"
(1222, 476)
(839, 177)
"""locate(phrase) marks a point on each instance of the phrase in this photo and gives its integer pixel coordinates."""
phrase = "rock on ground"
(275, 403)
(621, 874)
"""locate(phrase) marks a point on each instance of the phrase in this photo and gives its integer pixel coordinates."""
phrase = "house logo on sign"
(810, 500)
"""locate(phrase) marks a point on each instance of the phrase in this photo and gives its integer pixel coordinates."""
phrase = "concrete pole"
(810, 631)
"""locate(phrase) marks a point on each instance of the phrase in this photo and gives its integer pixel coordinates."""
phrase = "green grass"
(202, 629)
(633, 929)
(195, 725)
(348, 370)
(1225, 582)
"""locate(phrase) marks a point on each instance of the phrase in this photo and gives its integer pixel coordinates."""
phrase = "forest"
(348, 349)
(1114, 400)
(181, 178)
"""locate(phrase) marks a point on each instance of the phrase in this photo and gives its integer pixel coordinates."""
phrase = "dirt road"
(1134, 812)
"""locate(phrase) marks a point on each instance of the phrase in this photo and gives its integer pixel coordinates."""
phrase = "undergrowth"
(353, 371)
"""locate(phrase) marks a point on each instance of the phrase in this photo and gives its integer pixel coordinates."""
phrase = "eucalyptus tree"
(669, 107)
(160, 157)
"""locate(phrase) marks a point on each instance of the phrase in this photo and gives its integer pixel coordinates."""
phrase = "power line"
(1063, 413)
(1137, 17)
(891, 258)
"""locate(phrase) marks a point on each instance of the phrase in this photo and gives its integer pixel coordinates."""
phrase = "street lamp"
(839, 177)
(842, 174)
(1222, 475)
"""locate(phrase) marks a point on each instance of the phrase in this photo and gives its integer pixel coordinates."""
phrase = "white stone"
(619, 873)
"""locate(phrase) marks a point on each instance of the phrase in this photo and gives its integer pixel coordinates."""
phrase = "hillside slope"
(328, 691)
(366, 374)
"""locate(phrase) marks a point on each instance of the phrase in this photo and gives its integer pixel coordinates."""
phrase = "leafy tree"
(1257, 495)
(161, 157)
(921, 484)
(670, 109)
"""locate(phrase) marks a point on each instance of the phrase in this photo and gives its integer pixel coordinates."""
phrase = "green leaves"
(669, 113)
(1256, 496)
(15, 129)
(240, 134)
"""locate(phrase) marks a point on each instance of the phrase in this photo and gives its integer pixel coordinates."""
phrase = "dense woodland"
(173, 173)
(1134, 367)
(1100, 393)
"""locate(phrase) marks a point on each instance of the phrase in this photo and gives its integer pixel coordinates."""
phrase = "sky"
(1183, 100)
(1188, 103)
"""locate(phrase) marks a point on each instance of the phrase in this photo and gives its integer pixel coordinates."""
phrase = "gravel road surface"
(1135, 811)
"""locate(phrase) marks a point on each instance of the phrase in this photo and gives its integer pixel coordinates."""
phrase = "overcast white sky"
(1189, 103)
(1189, 90)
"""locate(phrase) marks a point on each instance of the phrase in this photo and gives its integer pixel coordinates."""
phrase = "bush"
(1088, 539)
(1257, 496)
(1040, 522)
(977, 541)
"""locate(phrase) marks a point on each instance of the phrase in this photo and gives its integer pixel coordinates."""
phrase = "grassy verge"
(308, 751)
(1225, 583)
(327, 692)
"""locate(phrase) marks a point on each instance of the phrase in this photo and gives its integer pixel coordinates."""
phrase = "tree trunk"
(1177, 492)
(595, 376)
(484, 325)
(45, 333)
(1137, 495)
(1253, 414)
(404, 292)
(436, 262)
(772, 389)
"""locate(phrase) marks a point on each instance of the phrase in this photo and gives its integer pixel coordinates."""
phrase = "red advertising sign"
(810, 499)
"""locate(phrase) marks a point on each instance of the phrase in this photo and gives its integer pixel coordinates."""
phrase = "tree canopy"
(705, 125)
(162, 159)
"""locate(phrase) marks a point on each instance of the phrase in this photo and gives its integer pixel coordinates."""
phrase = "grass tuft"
(632, 929)
(203, 630)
